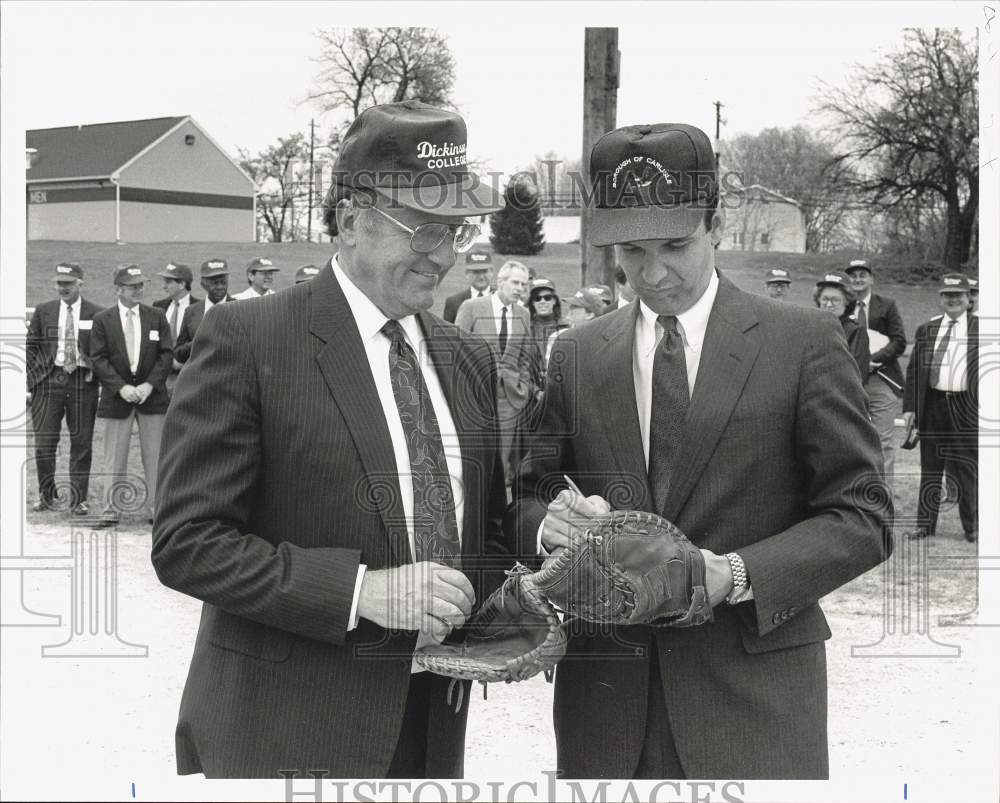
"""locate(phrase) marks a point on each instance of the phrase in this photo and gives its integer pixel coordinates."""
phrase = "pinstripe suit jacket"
(277, 477)
(775, 453)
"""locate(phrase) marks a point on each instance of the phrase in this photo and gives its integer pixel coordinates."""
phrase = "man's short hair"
(508, 266)
(340, 192)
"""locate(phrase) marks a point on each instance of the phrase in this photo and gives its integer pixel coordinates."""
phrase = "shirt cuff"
(352, 621)
(541, 550)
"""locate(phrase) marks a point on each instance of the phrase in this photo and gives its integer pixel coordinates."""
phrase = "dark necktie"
(435, 528)
(862, 315)
(669, 406)
(69, 344)
(503, 330)
(937, 360)
(174, 309)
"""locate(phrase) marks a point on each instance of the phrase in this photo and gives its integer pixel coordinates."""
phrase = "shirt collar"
(75, 306)
(369, 318)
(497, 304)
(123, 310)
(866, 300)
(694, 321)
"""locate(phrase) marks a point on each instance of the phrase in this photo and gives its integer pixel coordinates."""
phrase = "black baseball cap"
(214, 267)
(176, 271)
(777, 276)
(414, 155)
(858, 264)
(651, 182)
(65, 271)
(954, 283)
(478, 259)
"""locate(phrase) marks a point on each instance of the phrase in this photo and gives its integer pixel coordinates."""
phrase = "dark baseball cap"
(129, 274)
(777, 276)
(478, 259)
(602, 291)
(651, 182)
(68, 270)
(859, 264)
(541, 283)
(954, 283)
(305, 273)
(181, 273)
(414, 155)
(262, 264)
(214, 267)
(586, 300)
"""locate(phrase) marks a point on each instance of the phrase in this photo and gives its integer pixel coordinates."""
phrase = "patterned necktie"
(69, 343)
(174, 309)
(435, 528)
(503, 330)
(937, 360)
(669, 406)
(862, 316)
(130, 337)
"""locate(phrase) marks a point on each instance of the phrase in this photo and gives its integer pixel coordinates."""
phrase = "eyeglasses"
(545, 298)
(427, 237)
(831, 302)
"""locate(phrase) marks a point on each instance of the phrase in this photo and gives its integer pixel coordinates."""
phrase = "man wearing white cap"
(776, 283)
(260, 278)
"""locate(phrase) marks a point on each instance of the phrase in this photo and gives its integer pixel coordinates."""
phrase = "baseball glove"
(627, 568)
(514, 635)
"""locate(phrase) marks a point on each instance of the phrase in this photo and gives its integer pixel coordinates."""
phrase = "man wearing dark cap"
(62, 386)
(776, 283)
(177, 280)
(479, 275)
(349, 444)
(132, 353)
(603, 292)
(582, 306)
(884, 380)
(215, 283)
(260, 278)
(742, 422)
(306, 274)
(942, 404)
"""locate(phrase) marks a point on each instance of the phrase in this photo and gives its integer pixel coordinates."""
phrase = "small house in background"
(759, 219)
(137, 181)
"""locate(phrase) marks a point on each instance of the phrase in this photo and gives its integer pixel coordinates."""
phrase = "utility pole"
(601, 62)
(312, 142)
(719, 122)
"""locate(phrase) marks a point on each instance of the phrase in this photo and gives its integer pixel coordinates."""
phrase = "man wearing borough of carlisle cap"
(357, 492)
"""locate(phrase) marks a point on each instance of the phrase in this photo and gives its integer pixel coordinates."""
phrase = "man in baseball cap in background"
(680, 405)
(215, 283)
(479, 275)
(328, 394)
(260, 278)
(177, 280)
(776, 283)
(306, 273)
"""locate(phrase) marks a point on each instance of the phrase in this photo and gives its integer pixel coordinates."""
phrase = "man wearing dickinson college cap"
(62, 386)
(479, 275)
(742, 422)
(349, 443)
(776, 283)
(132, 352)
(215, 283)
(260, 278)
(177, 280)
(942, 402)
(884, 380)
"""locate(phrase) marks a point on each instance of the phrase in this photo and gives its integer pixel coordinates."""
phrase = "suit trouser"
(948, 442)
(57, 396)
(122, 491)
(431, 741)
(884, 406)
(658, 758)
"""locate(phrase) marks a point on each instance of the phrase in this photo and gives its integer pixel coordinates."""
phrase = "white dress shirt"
(953, 374)
(498, 305)
(61, 348)
(370, 320)
(648, 333)
(251, 293)
(123, 311)
(181, 305)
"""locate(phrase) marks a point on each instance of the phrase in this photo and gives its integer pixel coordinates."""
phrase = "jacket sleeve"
(101, 358)
(895, 332)
(35, 358)
(913, 371)
(464, 317)
(182, 348)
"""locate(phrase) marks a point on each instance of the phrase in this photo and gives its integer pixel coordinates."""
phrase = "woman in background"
(834, 295)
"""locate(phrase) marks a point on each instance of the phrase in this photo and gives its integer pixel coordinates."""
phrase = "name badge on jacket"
(85, 325)
(154, 334)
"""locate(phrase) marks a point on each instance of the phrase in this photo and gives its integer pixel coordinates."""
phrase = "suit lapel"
(615, 392)
(727, 356)
(118, 353)
(353, 389)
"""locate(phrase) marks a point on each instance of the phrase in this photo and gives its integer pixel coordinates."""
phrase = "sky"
(244, 70)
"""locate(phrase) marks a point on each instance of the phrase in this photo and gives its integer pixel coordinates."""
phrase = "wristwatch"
(741, 583)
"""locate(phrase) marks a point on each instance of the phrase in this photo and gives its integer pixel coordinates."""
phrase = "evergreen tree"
(517, 228)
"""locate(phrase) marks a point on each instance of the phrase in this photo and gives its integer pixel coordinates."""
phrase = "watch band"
(741, 583)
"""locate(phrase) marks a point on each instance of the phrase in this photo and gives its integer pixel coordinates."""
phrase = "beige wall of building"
(201, 167)
(90, 221)
(153, 223)
(765, 226)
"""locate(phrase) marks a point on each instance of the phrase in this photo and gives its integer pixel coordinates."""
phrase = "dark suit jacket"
(164, 303)
(775, 449)
(304, 486)
(918, 371)
(454, 301)
(43, 338)
(884, 317)
(110, 358)
(517, 380)
(189, 325)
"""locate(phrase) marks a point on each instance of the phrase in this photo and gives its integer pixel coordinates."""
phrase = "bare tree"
(362, 67)
(275, 171)
(910, 128)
